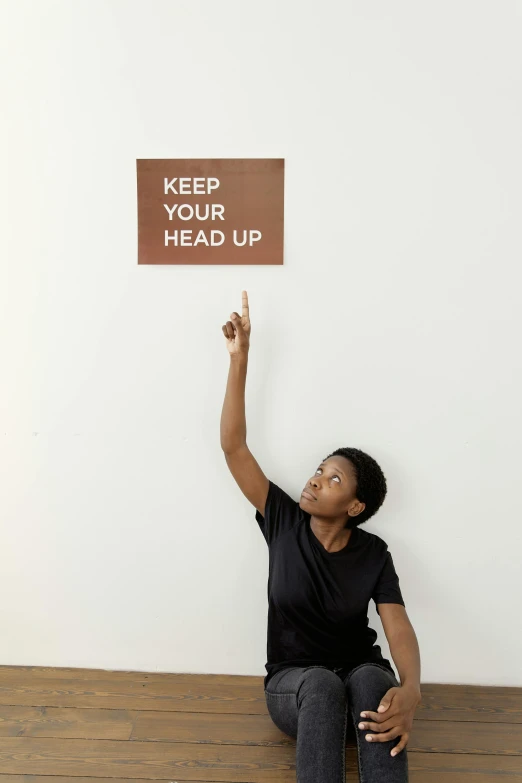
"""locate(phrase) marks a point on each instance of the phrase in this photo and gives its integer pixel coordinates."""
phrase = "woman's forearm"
(233, 419)
(405, 652)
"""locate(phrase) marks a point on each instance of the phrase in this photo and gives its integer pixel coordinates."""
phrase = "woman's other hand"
(237, 330)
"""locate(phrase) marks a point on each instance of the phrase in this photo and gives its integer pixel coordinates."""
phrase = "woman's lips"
(307, 495)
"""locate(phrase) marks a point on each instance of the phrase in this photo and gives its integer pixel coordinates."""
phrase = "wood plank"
(222, 693)
(149, 726)
(69, 722)
(437, 737)
(176, 761)
(168, 692)
(55, 761)
(487, 703)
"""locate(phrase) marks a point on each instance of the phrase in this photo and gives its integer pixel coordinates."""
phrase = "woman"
(323, 664)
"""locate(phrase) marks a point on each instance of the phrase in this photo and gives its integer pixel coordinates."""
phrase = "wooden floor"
(78, 725)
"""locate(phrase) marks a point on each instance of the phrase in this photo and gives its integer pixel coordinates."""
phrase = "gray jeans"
(312, 705)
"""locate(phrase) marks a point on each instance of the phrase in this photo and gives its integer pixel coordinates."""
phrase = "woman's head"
(347, 483)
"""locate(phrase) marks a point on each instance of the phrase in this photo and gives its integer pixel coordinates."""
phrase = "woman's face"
(333, 487)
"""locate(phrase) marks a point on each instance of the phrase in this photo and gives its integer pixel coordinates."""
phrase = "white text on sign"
(183, 238)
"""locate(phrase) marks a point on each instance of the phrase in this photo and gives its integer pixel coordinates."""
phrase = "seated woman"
(323, 664)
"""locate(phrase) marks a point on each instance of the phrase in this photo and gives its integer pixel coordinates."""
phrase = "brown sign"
(210, 211)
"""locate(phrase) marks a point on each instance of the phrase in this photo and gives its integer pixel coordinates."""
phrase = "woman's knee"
(370, 680)
(308, 686)
(320, 682)
(372, 671)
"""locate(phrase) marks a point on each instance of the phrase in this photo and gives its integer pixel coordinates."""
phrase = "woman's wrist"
(413, 687)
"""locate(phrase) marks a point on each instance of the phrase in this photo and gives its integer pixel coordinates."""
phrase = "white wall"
(394, 324)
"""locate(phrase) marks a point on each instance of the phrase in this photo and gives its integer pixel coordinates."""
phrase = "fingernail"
(369, 737)
(363, 715)
(361, 725)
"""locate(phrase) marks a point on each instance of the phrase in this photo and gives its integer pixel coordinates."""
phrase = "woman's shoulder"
(371, 539)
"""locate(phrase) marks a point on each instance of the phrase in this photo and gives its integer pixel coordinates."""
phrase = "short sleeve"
(387, 589)
(281, 513)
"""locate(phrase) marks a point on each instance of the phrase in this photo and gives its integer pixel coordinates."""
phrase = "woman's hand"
(237, 331)
(397, 708)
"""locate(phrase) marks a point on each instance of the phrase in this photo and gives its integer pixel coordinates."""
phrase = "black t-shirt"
(318, 600)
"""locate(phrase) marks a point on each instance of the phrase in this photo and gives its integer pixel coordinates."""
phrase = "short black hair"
(371, 483)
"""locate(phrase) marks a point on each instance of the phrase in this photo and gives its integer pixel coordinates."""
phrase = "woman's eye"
(334, 476)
